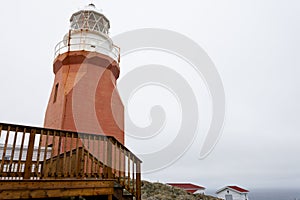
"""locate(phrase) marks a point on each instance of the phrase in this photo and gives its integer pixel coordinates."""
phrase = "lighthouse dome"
(90, 19)
(88, 32)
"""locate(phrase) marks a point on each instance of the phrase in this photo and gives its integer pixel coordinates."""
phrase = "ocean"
(274, 194)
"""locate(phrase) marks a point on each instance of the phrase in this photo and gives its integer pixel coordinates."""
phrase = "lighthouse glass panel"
(89, 20)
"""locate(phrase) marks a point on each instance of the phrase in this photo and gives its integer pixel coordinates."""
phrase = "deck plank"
(27, 189)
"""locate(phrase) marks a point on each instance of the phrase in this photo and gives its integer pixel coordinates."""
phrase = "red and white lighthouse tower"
(84, 97)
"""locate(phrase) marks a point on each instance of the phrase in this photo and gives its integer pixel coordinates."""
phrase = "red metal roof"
(238, 188)
(187, 186)
(233, 187)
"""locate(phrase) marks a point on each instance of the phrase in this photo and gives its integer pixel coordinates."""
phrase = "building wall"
(200, 191)
(86, 99)
(235, 195)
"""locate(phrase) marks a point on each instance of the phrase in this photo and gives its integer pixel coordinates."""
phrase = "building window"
(6, 157)
(55, 93)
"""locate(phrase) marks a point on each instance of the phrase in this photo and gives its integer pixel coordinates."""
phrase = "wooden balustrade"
(39, 153)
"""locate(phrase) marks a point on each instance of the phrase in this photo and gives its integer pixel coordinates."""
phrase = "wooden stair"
(93, 166)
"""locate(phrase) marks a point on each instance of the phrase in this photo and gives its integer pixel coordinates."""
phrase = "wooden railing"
(39, 153)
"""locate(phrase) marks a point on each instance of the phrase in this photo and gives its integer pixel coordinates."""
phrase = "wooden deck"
(30, 189)
(46, 163)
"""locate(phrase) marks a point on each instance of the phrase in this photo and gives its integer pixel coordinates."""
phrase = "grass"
(160, 191)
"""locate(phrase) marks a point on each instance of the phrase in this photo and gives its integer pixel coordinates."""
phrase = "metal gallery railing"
(39, 153)
(86, 43)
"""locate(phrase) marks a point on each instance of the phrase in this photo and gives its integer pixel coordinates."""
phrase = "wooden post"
(104, 155)
(28, 163)
(88, 163)
(82, 156)
(37, 164)
(71, 156)
(138, 180)
(115, 161)
(93, 157)
(21, 153)
(13, 151)
(45, 166)
(134, 171)
(65, 170)
(99, 157)
(120, 161)
(128, 171)
(58, 167)
(77, 158)
(109, 159)
(53, 153)
(4, 150)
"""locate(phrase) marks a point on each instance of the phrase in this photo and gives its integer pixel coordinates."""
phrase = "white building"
(15, 156)
(233, 193)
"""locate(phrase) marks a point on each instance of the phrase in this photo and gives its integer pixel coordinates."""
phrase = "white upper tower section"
(90, 19)
(89, 30)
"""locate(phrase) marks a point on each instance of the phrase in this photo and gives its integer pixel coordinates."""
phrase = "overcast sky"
(254, 45)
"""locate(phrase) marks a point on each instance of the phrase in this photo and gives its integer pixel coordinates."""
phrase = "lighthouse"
(84, 97)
